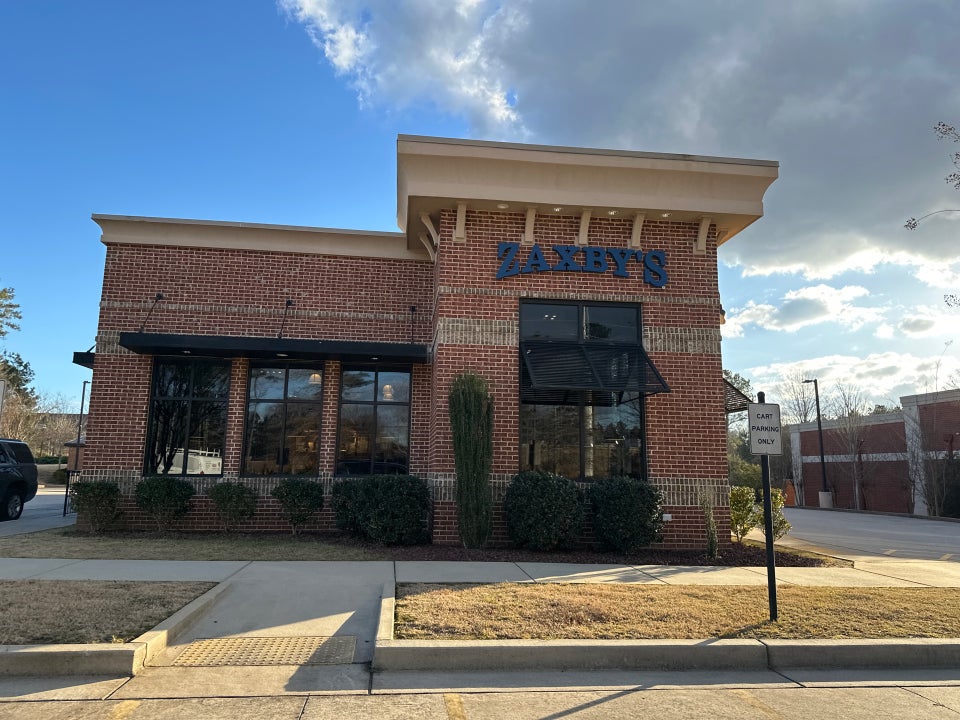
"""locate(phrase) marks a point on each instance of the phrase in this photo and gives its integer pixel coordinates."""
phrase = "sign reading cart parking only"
(764, 419)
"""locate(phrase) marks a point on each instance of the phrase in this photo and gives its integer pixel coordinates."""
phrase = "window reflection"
(282, 431)
(188, 417)
(374, 432)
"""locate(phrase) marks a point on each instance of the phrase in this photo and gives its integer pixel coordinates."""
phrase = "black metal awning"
(83, 359)
(274, 348)
(733, 399)
(559, 366)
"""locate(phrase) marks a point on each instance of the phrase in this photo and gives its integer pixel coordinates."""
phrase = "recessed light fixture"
(186, 352)
(557, 209)
(374, 358)
(611, 212)
(665, 215)
(502, 206)
(282, 355)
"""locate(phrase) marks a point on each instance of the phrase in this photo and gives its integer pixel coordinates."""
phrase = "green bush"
(745, 515)
(781, 526)
(343, 500)
(393, 509)
(544, 511)
(300, 500)
(471, 424)
(627, 514)
(51, 460)
(235, 503)
(165, 498)
(98, 502)
(59, 476)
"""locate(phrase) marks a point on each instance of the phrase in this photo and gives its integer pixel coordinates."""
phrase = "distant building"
(891, 458)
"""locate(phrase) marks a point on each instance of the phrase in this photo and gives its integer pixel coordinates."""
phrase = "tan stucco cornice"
(437, 173)
(134, 230)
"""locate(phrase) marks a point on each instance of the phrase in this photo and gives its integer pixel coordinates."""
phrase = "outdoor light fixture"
(502, 206)
(826, 500)
(156, 298)
(388, 392)
(283, 321)
(316, 378)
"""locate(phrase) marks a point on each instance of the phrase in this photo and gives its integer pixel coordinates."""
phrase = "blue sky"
(288, 113)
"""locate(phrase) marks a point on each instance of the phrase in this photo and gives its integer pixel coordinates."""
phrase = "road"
(860, 536)
(43, 512)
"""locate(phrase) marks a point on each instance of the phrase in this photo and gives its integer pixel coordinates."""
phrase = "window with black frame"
(374, 430)
(282, 429)
(188, 417)
(584, 375)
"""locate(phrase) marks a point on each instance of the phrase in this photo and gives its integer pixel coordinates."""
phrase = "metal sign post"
(765, 440)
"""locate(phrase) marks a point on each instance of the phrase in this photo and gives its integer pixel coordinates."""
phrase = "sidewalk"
(273, 611)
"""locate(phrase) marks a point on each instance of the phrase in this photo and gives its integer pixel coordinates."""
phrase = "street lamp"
(826, 499)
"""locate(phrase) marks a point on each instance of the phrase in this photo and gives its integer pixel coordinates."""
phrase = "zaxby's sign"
(580, 258)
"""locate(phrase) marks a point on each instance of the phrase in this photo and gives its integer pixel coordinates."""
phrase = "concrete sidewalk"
(271, 611)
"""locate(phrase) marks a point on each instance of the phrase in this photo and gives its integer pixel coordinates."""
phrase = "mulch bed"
(735, 555)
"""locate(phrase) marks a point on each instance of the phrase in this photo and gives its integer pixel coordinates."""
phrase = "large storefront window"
(282, 431)
(583, 378)
(188, 417)
(374, 432)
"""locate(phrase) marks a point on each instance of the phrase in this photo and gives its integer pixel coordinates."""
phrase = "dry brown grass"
(545, 612)
(87, 611)
(68, 543)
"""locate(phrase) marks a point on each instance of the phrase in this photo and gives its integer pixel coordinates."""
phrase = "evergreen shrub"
(300, 500)
(98, 501)
(165, 498)
(544, 511)
(235, 503)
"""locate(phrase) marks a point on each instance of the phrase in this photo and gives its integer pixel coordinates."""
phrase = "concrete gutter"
(506, 655)
(105, 658)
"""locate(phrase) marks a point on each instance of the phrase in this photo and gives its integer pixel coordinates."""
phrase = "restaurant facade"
(580, 283)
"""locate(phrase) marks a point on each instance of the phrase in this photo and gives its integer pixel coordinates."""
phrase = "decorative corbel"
(460, 231)
(431, 250)
(584, 226)
(435, 236)
(528, 228)
(700, 247)
(638, 219)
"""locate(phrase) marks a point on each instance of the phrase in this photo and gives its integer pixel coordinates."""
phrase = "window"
(282, 430)
(188, 417)
(583, 377)
(374, 432)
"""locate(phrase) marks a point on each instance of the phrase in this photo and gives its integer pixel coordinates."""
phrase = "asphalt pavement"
(45, 511)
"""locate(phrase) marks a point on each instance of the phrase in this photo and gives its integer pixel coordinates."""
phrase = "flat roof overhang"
(441, 173)
(273, 348)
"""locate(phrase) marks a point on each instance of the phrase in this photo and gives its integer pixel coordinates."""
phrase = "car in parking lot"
(18, 477)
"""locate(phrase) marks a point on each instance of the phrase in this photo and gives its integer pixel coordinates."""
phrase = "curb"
(505, 655)
(105, 658)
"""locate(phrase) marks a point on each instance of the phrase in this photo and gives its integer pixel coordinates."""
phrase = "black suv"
(18, 478)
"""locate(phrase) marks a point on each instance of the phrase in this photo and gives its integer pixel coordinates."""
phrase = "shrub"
(392, 509)
(744, 513)
(98, 501)
(544, 511)
(299, 499)
(60, 476)
(626, 514)
(781, 526)
(471, 424)
(343, 499)
(164, 498)
(235, 503)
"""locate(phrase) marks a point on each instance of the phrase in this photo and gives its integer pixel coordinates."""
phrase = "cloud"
(882, 377)
(844, 94)
(803, 308)
(928, 321)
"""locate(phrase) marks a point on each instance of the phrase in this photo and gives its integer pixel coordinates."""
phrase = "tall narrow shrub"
(471, 423)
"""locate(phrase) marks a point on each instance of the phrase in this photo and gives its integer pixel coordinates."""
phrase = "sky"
(287, 112)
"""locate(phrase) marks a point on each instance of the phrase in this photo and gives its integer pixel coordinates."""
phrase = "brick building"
(889, 462)
(582, 284)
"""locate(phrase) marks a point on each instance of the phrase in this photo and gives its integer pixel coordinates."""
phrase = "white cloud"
(928, 321)
(803, 308)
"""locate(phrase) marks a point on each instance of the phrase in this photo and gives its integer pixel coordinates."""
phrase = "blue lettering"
(535, 261)
(595, 261)
(509, 264)
(620, 257)
(567, 263)
(654, 264)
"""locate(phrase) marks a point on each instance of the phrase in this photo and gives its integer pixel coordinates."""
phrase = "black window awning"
(224, 346)
(555, 366)
(733, 399)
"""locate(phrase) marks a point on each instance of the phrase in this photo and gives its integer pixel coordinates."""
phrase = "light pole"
(826, 499)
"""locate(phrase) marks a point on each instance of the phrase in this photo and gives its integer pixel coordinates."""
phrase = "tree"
(849, 406)
(9, 312)
(471, 424)
(943, 132)
(797, 398)
(18, 374)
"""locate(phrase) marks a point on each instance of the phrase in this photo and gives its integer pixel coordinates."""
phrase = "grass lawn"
(70, 544)
(544, 612)
(87, 611)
